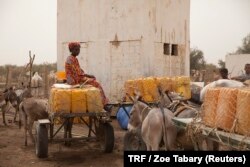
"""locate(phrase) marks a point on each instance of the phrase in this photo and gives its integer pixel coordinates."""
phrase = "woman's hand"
(90, 80)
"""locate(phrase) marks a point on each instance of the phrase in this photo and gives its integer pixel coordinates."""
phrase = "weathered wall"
(123, 40)
(236, 63)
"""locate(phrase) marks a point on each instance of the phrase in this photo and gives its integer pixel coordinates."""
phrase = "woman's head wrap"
(73, 45)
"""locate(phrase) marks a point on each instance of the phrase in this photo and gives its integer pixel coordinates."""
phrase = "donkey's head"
(138, 112)
(23, 93)
(26, 93)
(10, 96)
(167, 97)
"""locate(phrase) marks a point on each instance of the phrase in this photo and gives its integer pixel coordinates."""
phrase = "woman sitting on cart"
(75, 75)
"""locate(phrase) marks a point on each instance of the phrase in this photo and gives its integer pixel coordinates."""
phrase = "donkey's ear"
(130, 97)
(137, 92)
(160, 90)
(137, 95)
(140, 98)
(166, 92)
(5, 90)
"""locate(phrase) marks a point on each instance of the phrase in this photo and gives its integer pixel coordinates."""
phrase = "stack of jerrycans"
(76, 100)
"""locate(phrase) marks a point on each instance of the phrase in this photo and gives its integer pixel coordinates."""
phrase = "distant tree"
(16, 71)
(211, 69)
(197, 61)
(245, 48)
(19, 71)
(221, 63)
(2, 70)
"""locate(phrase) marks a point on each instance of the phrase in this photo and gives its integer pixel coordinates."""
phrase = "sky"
(27, 25)
(217, 27)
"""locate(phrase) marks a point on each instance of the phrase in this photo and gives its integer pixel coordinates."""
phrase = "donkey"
(181, 109)
(21, 95)
(32, 109)
(155, 124)
(178, 108)
(178, 105)
(8, 100)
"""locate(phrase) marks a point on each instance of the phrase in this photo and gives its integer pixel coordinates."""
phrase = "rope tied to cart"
(194, 130)
(242, 144)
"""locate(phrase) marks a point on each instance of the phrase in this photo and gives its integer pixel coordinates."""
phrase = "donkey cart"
(97, 124)
(198, 130)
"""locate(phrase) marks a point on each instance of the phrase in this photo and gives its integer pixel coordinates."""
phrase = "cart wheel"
(42, 141)
(134, 142)
(105, 135)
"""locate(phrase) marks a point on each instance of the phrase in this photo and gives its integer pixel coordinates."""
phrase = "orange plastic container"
(61, 75)
(226, 109)
(209, 107)
(243, 112)
(183, 86)
(60, 100)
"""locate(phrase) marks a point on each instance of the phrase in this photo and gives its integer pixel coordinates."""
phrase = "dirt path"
(13, 153)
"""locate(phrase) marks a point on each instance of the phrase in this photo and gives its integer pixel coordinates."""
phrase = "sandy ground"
(13, 153)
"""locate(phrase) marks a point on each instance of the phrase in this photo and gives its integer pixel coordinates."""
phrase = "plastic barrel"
(123, 116)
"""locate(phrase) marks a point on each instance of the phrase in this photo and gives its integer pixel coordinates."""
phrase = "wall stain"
(115, 42)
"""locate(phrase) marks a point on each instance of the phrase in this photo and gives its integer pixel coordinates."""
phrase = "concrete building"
(125, 39)
(235, 63)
